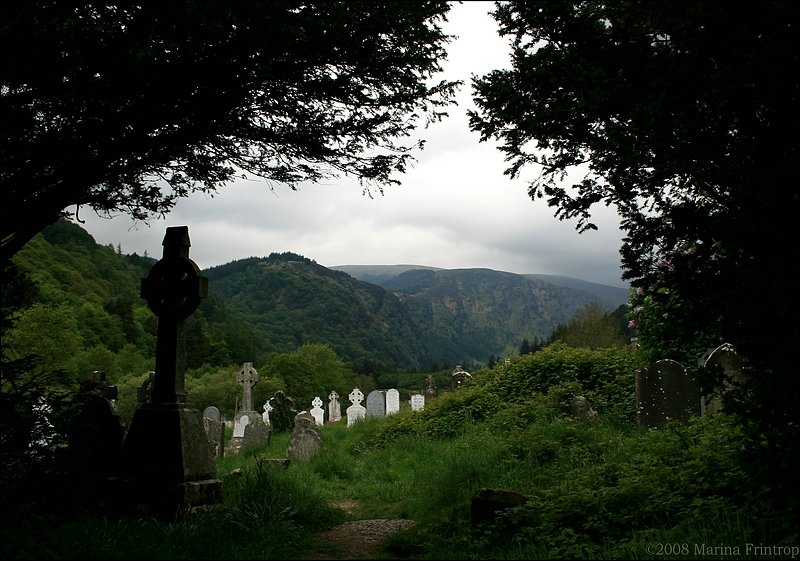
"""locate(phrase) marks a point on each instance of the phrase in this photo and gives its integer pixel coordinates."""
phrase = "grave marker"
(166, 461)
(664, 392)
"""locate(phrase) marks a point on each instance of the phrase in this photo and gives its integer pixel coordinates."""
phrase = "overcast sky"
(455, 208)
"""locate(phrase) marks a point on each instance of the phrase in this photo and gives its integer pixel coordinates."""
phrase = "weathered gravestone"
(249, 428)
(283, 412)
(732, 375)
(356, 411)
(317, 411)
(215, 430)
(166, 461)
(305, 440)
(664, 392)
(95, 437)
(417, 402)
(430, 390)
(265, 414)
(392, 401)
(334, 407)
(376, 404)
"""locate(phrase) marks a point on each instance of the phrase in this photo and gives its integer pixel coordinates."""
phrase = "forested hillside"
(88, 300)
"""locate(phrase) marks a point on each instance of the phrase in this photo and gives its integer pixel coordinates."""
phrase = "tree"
(684, 117)
(130, 107)
(590, 327)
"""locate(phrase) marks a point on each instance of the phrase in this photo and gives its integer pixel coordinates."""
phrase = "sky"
(454, 209)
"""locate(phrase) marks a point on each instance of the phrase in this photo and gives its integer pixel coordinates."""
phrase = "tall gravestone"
(392, 401)
(249, 428)
(431, 390)
(334, 407)
(283, 412)
(376, 404)
(665, 392)
(356, 411)
(166, 461)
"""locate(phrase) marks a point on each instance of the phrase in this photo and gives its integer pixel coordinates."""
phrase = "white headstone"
(356, 411)
(334, 408)
(265, 414)
(417, 402)
(238, 427)
(392, 401)
(317, 411)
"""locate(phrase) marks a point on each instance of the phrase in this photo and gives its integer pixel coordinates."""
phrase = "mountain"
(384, 275)
(409, 318)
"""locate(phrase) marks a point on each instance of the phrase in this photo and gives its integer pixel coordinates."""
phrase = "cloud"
(454, 209)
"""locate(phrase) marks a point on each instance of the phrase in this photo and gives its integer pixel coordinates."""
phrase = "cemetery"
(560, 453)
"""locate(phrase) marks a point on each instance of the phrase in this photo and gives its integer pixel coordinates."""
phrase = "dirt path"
(356, 539)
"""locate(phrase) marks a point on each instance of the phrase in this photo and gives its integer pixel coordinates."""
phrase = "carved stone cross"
(173, 290)
(247, 376)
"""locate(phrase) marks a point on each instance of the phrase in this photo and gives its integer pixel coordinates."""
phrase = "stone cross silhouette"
(173, 290)
(247, 376)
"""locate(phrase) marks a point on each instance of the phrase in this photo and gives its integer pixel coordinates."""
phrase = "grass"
(594, 491)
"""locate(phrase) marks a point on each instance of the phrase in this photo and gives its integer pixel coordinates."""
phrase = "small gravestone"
(334, 407)
(283, 412)
(317, 411)
(166, 463)
(215, 430)
(392, 401)
(356, 411)
(417, 402)
(665, 392)
(581, 410)
(376, 404)
(305, 441)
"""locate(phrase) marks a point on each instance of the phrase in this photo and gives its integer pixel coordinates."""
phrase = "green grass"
(600, 491)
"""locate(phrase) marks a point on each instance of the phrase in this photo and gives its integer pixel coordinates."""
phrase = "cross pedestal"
(166, 461)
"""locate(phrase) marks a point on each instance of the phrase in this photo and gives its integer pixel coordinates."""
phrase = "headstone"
(488, 502)
(283, 412)
(239, 425)
(215, 431)
(95, 437)
(248, 377)
(356, 411)
(249, 428)
(417, 402)
(166, 463)
(265, 414)
(144, 393)
(430, 390)
(732, 366)
(392, 401)
(582, 411)
(306, 440)
(664, 392)
(334, 407)
(459, 377)
(317, 411)
(376, 404)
